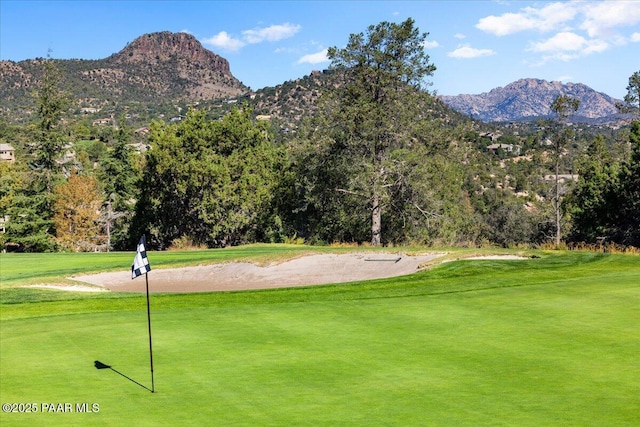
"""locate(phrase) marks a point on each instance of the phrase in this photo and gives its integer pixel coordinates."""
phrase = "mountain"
(529, 99)
(155, 68)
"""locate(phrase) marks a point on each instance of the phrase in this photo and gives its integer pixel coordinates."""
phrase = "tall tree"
(52, 103)
(628, 206)
(592, 202)
(563, 107)
(374, 109)
(30, 213)
(119, 175)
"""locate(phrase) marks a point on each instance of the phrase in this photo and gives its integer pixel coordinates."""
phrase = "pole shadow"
(99, 365)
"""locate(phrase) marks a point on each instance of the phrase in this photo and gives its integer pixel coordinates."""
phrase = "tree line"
(371, 165)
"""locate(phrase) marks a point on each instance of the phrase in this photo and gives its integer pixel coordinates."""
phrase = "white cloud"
(467, 52)
(602, 17)
(224, 41)
(508, 23)
(271, 34)
(565, 42)
(597, 18)
(567, 46)
(581, 27)
(459, 36)
(552, 17)
(430, 44)
(635, 38)
(314, 58)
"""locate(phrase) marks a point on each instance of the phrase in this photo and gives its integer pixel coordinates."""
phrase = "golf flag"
(140, 262)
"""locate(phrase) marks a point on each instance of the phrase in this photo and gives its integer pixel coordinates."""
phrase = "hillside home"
(101, 122)
(7, 153)
(491, 135)
(507, 148)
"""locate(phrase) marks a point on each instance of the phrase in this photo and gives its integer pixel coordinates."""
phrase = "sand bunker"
(308, 270)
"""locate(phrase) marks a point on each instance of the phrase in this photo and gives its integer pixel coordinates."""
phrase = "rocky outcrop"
(166, 47)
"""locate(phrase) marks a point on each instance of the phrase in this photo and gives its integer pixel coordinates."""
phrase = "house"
(101, 122)
(7, 153)
(507, 148)
(491, 135)
(178, 118)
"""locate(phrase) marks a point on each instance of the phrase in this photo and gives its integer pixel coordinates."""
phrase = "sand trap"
(307, 270)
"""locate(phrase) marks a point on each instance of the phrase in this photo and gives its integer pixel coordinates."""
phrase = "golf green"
(542, 342)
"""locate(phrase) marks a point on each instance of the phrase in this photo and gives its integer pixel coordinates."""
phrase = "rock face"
(165, 46)
(528, 99)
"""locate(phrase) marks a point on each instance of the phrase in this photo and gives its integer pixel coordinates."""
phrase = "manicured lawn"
(547, 341)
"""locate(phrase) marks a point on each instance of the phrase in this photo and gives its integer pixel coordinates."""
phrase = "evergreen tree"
(211, 182)
(31, 211)
(591, 204)
(373, 112)
(628, 214)
(119, 176)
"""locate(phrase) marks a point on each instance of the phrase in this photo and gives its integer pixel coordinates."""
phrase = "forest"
(375, 162)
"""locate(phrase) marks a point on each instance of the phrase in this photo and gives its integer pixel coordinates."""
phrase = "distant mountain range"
(167, 68)
(529, 99)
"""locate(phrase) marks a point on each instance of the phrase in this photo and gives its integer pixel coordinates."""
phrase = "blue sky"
(475, 45)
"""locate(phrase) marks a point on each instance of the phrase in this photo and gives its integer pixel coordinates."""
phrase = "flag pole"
(146, 276)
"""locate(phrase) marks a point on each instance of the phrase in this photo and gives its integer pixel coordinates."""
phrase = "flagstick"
(146, 276)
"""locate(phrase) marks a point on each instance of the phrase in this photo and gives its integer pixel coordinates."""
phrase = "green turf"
(547, 341)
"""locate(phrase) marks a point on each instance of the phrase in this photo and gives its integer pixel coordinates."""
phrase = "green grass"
(547, 341)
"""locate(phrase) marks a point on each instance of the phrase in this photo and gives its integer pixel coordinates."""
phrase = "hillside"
(528, 99)
(287, 104)
(155, 68)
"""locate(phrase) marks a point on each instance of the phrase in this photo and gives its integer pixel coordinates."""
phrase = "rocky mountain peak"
(527, 99)
(166, 46)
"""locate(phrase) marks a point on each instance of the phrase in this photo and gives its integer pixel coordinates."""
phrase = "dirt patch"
(308, 270)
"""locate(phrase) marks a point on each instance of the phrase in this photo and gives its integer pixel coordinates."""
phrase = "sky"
(476, 46)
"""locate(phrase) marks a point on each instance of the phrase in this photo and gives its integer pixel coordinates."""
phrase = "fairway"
(548, 341)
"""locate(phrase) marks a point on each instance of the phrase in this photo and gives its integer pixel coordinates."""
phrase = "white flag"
(140, 262)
